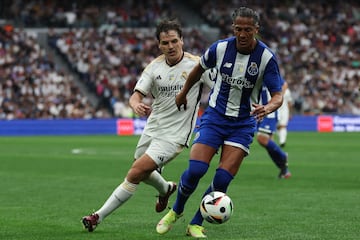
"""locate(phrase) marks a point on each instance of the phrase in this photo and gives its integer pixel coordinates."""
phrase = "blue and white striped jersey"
(240, 77)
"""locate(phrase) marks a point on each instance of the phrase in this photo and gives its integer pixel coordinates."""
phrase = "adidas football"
(216, 207)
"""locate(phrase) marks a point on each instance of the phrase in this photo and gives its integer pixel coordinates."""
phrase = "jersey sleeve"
(208, 59)
(144, 84)
(272, 78)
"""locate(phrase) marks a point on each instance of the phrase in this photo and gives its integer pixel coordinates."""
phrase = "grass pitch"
(49, 183)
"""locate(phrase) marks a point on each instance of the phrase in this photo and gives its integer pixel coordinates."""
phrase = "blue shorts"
(216, 130)
(267, 125)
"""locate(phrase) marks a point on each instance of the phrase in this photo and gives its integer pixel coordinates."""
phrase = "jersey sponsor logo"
(170, 90)
(240, 82)
(253, 69)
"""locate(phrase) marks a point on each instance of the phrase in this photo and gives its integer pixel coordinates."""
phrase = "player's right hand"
(180, 100)
(142, 110)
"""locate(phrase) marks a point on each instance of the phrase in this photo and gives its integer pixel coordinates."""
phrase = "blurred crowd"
(85, 13)
(110, 61)
(32, 88)
(108, 45)
(317, 43)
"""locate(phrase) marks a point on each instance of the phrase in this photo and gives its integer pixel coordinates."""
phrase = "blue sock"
(220, 183)
(277, 154)
(188, 183)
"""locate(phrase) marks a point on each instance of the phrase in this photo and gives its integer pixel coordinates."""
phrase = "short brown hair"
(167, 25)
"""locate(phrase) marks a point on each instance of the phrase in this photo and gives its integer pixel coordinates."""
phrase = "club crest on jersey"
(184, 75)
(253, 69)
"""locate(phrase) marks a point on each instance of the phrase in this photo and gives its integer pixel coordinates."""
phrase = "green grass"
(46, 189)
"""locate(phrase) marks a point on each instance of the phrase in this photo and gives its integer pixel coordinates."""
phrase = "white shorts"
(160, 150)
(283, 117)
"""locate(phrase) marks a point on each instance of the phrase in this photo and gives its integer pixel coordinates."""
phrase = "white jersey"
(164, 82)
(284, 110)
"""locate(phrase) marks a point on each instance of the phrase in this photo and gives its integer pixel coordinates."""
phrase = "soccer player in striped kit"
(244, 64)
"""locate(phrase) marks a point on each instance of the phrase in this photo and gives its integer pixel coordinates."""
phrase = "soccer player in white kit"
(284, 114)
(167, 130)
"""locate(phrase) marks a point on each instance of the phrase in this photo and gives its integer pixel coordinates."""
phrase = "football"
(216, 207)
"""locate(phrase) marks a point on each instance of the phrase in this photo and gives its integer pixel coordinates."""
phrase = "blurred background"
(81, 59)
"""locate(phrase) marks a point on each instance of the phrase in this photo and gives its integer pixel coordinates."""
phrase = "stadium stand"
(107, 44)
(31, 86)
(318, 44)
(110, 61)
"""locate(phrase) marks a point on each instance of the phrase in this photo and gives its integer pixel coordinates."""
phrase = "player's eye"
(237, 29)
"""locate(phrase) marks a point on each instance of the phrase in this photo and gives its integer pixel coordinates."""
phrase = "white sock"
(120, 195)
(158, 182)
(282, 135)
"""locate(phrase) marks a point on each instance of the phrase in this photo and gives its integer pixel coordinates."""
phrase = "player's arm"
(274, 83)
(275, 102)
(193, 77)
(137, 105)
